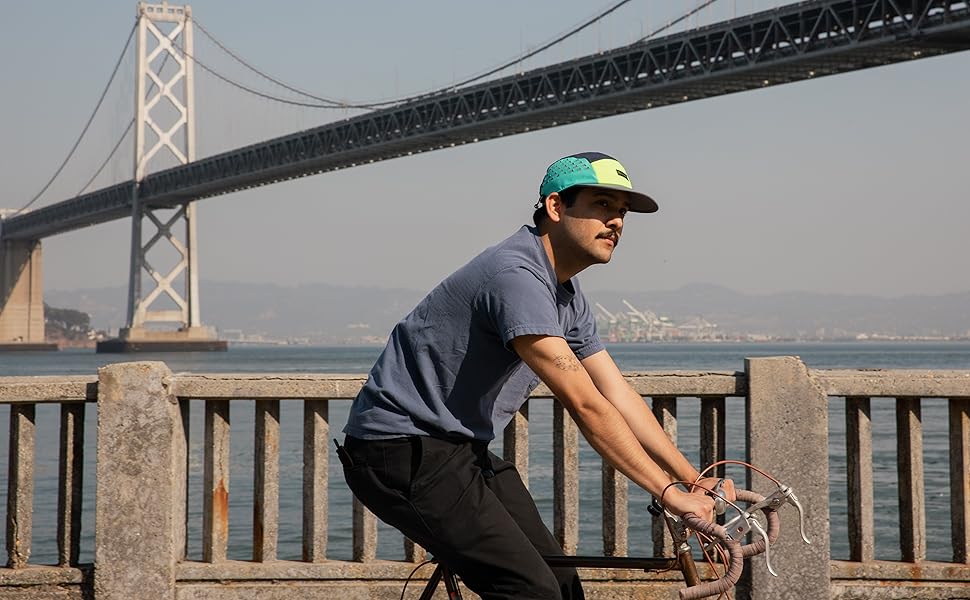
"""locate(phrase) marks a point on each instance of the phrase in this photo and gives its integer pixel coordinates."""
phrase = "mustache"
(611, 234)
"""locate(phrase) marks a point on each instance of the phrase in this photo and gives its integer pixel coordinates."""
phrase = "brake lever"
(756, 526)
(772, 501)
(739, 526)
(677, 528)
(720, 501)
(784, 494)
(792, 499)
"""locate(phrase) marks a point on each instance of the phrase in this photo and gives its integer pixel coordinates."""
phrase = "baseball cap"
(593, 169)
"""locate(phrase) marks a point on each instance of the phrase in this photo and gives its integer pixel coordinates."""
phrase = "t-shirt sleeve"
(515, 303)
(581, 332)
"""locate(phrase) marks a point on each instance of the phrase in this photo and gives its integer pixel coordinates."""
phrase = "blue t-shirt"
(449, 370)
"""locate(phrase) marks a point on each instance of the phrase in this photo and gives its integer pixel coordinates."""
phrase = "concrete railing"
(144, 426)
(863, 576)
(23, 395)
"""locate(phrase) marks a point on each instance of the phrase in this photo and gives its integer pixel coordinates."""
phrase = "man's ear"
(554, 207)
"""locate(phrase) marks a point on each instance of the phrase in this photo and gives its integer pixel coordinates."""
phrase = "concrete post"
(21, 292)
(787, 435)
(140, 511)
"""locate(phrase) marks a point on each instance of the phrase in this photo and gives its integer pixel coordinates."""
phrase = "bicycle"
(725, 539)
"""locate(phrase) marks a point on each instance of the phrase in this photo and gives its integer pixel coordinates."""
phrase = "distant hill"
(804, 314)
(329, 313)
(318, 312)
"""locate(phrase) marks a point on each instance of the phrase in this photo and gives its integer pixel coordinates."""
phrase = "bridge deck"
(792, 43)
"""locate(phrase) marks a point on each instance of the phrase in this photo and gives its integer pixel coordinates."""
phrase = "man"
(458, 367)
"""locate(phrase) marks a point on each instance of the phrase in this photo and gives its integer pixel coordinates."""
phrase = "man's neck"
(560, 265)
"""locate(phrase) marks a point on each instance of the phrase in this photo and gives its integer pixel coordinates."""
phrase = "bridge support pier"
(22, 296)
(141, 339)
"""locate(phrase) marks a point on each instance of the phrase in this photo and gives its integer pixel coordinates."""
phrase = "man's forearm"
(602, 424)
(610, 436)
(607, 430)
(653, 438)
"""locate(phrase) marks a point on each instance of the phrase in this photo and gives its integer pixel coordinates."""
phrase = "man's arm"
(602, 424)
(608, 379)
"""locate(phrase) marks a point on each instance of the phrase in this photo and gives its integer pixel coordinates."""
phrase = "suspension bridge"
(796, 42)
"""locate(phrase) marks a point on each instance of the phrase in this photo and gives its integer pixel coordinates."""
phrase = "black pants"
(466, 506)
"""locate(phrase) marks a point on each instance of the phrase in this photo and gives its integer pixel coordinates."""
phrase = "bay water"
(630, 357)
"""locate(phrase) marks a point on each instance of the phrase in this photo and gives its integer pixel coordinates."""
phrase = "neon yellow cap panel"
(610, 172)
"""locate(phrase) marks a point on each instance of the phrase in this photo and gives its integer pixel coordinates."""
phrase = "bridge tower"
(166, 317)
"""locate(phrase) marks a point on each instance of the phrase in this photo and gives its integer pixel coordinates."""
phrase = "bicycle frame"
(684, 562)
(451, 583)
(680, 529)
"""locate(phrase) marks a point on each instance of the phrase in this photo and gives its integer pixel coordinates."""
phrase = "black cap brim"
(640, 203)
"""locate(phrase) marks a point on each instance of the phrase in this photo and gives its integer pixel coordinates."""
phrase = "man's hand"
(680, 502)
(710, 483)
(717, 488)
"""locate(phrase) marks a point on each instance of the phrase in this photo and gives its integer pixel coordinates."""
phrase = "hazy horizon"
(851, 184)
(322, 311)
(587, 289)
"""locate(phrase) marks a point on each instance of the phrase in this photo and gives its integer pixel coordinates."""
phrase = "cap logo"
(622, 174)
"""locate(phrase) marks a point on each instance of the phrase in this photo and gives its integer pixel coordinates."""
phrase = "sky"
(850, 184)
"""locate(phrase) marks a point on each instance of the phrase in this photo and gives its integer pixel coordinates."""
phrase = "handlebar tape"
(736, 563)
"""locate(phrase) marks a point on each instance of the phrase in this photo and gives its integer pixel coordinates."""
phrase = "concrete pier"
(141, 339)
(22, 296)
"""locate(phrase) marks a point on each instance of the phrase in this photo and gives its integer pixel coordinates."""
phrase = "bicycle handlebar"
(735, 565)
(736, 552)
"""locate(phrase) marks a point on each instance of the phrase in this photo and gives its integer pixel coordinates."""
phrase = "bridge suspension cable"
(335, 103)
(104, 164)
(131, 123)
(679, 19)
(541, 48)
(253, 91)
(87, 125)
(323, 102)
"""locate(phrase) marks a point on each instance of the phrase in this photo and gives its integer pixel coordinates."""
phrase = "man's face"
(594, 223)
